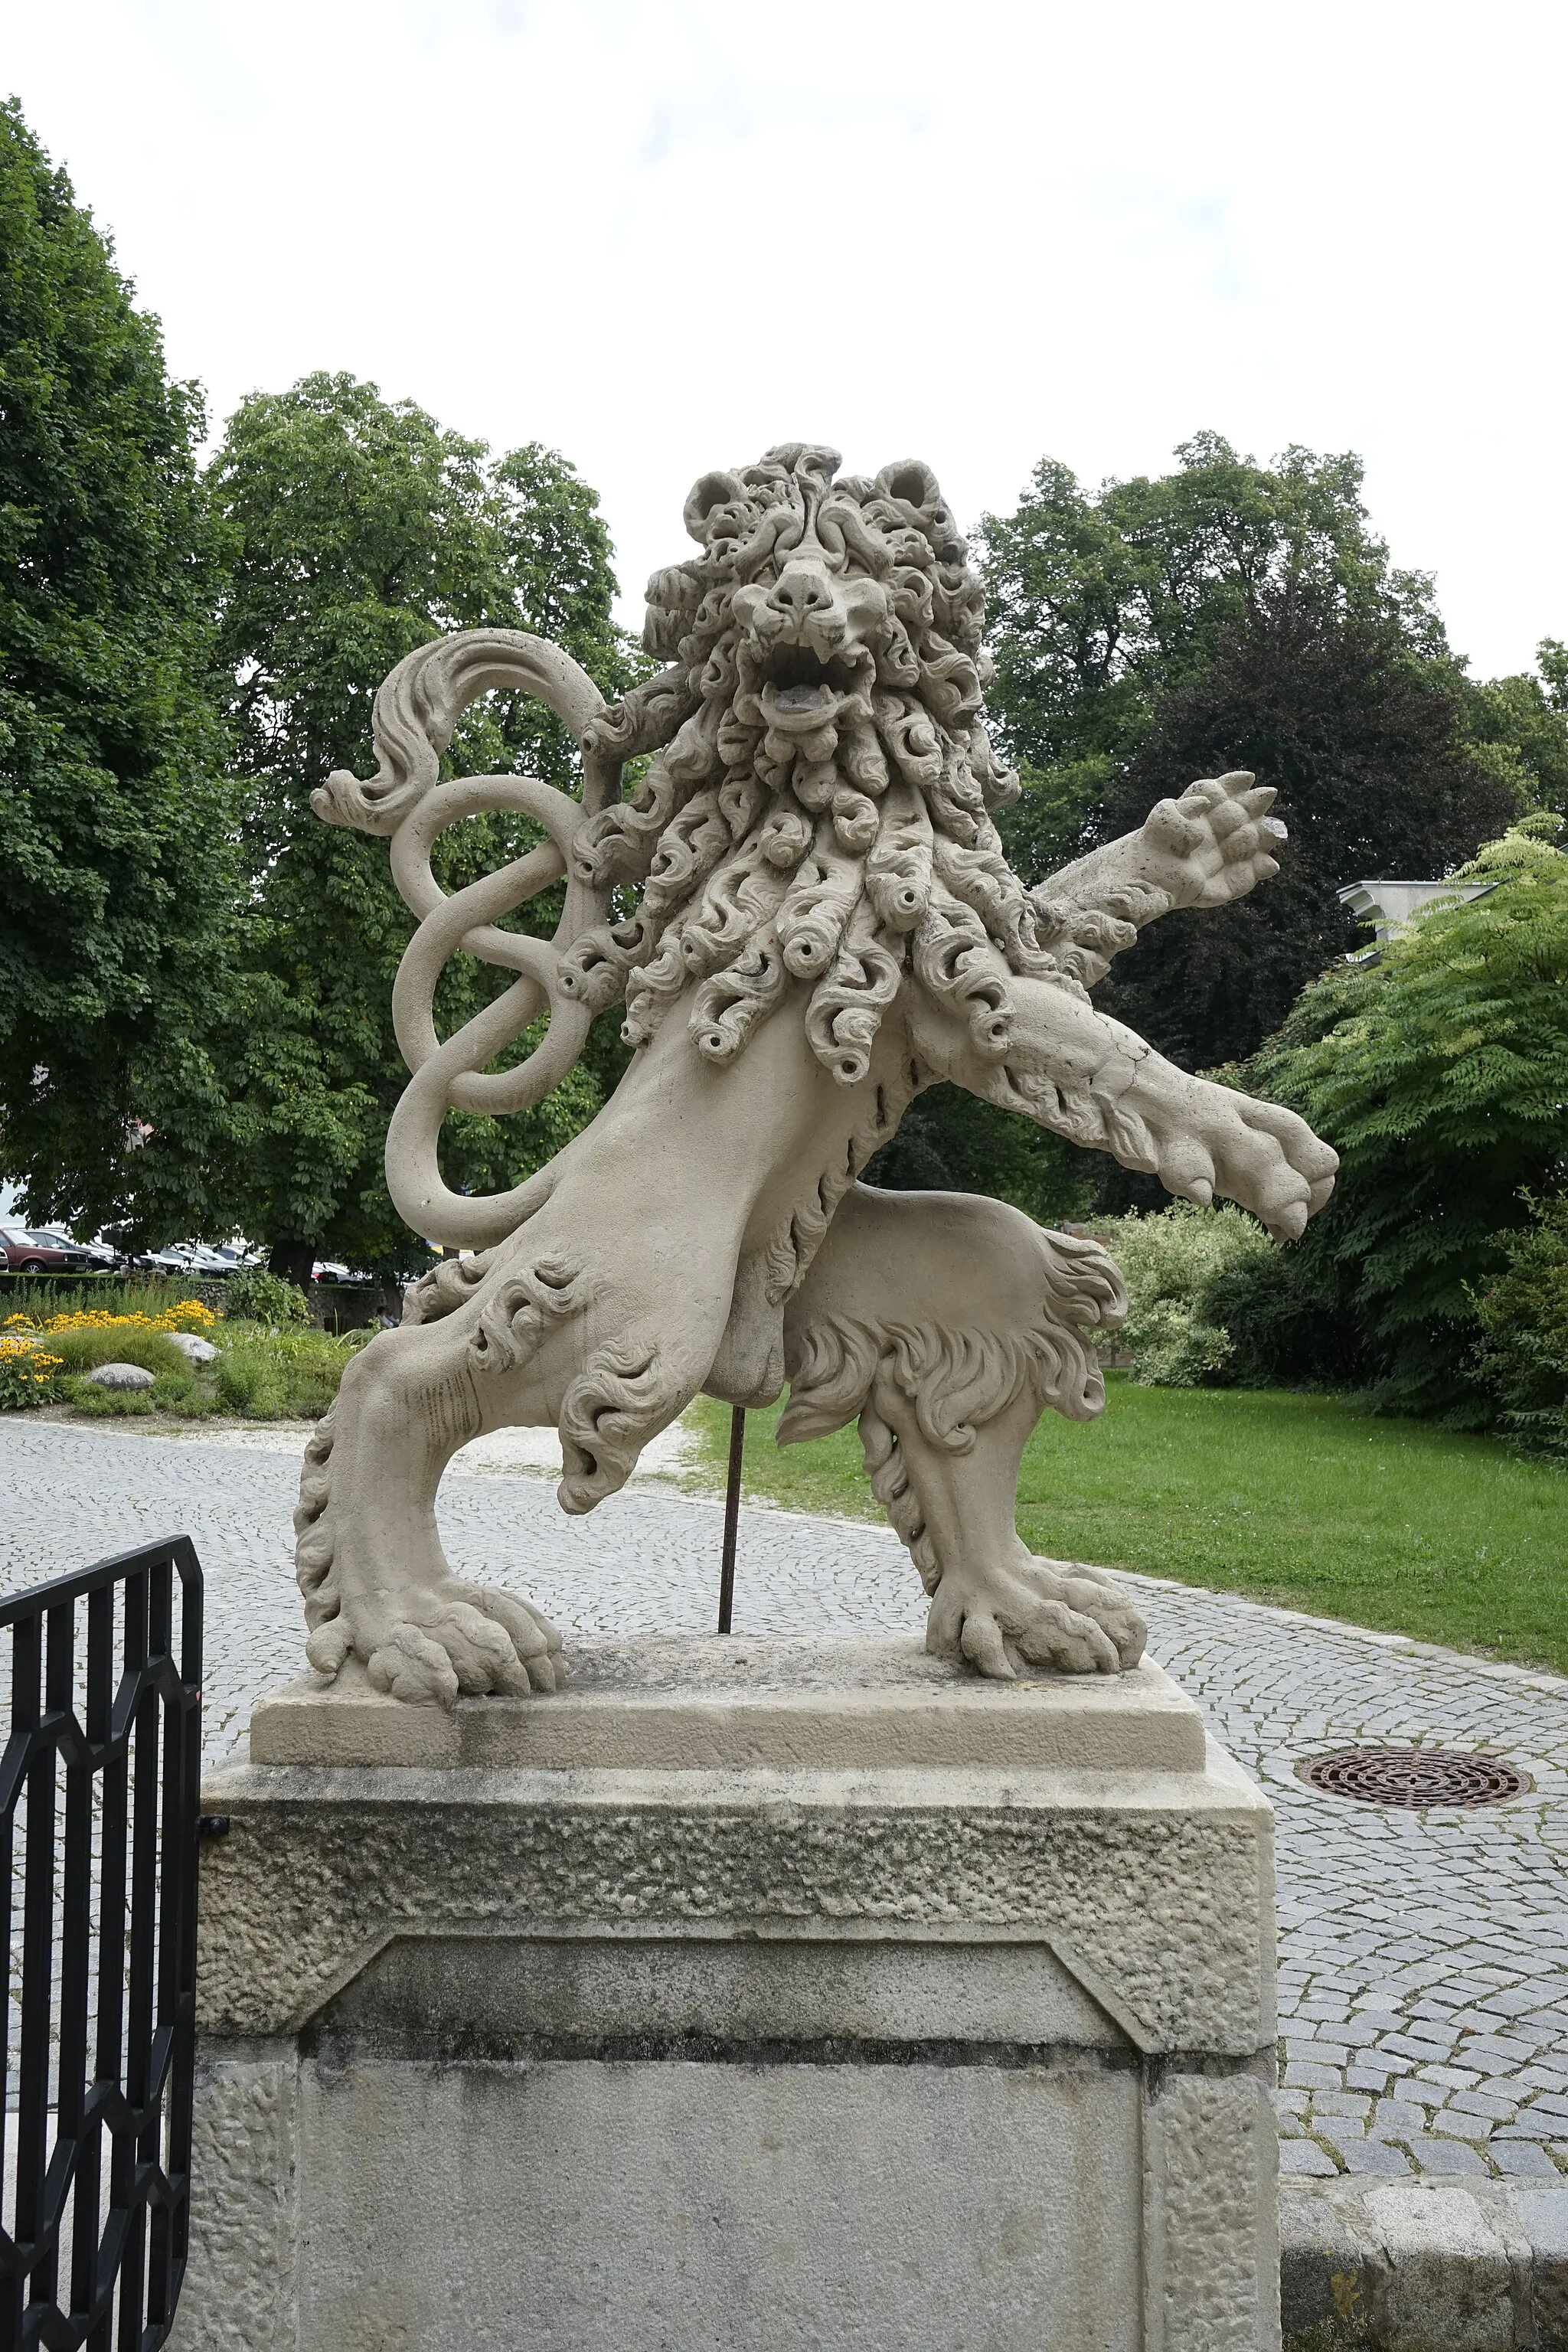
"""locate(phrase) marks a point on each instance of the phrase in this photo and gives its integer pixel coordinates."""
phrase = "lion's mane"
(856, 856)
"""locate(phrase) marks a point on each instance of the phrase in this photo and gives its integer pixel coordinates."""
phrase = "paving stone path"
(1424, 1957)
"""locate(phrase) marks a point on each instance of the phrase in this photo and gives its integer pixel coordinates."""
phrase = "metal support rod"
(732, 1516)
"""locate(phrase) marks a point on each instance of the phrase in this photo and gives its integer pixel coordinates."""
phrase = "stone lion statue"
(806, 909)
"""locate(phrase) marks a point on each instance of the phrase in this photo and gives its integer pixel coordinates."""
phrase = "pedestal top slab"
(702, 1703)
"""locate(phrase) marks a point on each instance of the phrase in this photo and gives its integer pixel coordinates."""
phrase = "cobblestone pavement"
(1424, 1957)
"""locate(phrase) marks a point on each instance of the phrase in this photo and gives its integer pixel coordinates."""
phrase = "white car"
(161, 1261)
(202, 1259)
(234, 1259)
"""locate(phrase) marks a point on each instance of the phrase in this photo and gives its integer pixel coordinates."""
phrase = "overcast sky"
(660, 237)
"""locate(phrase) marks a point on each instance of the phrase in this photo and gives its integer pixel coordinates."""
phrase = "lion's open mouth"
(804, 678)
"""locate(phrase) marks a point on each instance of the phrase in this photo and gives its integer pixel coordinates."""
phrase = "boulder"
(192, 1347)
(121, 1376)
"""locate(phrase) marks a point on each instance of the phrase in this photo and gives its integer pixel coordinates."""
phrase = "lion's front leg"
(1075, 1070)
(947, 1323)
(548, 1329)
(601, 1316)
(561, 1326)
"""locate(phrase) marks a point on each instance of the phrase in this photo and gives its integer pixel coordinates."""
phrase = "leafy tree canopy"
(1101, 603)
(950, 1141)
(1517, 730)
(1366, 747)
(115, 820)
(1522, 1358)
(1236, 616)
(358, 529)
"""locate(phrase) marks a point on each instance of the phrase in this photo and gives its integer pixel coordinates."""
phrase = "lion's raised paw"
(1215, 842)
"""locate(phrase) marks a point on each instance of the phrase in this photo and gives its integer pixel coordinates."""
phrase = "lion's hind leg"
(562, 1325)
(946, 1324)
(368, 1553)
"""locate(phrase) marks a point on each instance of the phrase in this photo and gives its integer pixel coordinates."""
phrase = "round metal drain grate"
(1414, 1777)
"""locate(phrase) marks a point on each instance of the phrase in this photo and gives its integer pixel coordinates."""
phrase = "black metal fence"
(98, 1789)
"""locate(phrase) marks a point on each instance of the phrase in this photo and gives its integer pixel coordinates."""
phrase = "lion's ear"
(911, 482)
(713, 491)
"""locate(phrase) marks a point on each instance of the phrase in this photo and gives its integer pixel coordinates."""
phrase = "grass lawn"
(1287, 1498)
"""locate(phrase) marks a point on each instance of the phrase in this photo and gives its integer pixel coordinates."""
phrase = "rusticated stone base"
(764, 2055)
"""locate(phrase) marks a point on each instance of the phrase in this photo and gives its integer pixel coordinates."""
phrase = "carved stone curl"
(807, 910)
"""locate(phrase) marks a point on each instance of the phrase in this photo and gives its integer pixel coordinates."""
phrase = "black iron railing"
(99, 1788)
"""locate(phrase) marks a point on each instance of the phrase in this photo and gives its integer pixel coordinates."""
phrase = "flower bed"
(259, 1373)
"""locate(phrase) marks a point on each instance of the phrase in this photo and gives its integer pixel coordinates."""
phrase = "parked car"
(41, 1253)
(161, 1261)
(202, 1259)
(100, 1254)
(196, 1261)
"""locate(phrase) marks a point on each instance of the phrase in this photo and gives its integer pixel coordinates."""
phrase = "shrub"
(1170, 1262)
(79, 1342)
(1291, 1320)
(1439, 1070)
(171, 1392)
(82, 1348)
(40, 1299)
(289, 1375)
(255, 1296)
(1522, 1358)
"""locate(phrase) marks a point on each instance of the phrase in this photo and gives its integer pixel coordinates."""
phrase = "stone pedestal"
(749, 1994)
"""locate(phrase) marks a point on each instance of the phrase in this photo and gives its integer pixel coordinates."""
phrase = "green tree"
(1366, 743)
(1230, 615)
(116, 827)
(1439, 1072)
(1101, 603)
(359, 529)
(1522, 1360)
(1517, 730)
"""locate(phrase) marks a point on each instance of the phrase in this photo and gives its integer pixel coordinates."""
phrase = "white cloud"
(660, 234)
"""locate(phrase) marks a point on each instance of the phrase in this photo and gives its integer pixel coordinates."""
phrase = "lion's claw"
(463, 1637)
(1098, 1596)
(412, 1666)
(533, 1638)
(1047, 1612)
(1211, 1138)
(328, 1645)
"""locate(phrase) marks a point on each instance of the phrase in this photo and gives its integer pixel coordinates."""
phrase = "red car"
(29, 1253)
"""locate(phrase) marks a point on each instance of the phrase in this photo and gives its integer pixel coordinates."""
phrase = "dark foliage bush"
(1293, 1318)
(1522, 1360)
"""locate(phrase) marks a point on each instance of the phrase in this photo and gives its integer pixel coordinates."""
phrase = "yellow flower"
(16, 1345)
(181, 1317)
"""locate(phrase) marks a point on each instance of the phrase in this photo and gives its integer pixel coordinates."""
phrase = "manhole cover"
(1414, 1777)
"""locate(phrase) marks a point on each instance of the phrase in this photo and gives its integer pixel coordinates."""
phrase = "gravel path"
(1424, 1957)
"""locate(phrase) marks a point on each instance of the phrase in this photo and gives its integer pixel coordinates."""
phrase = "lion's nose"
(801, 590)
